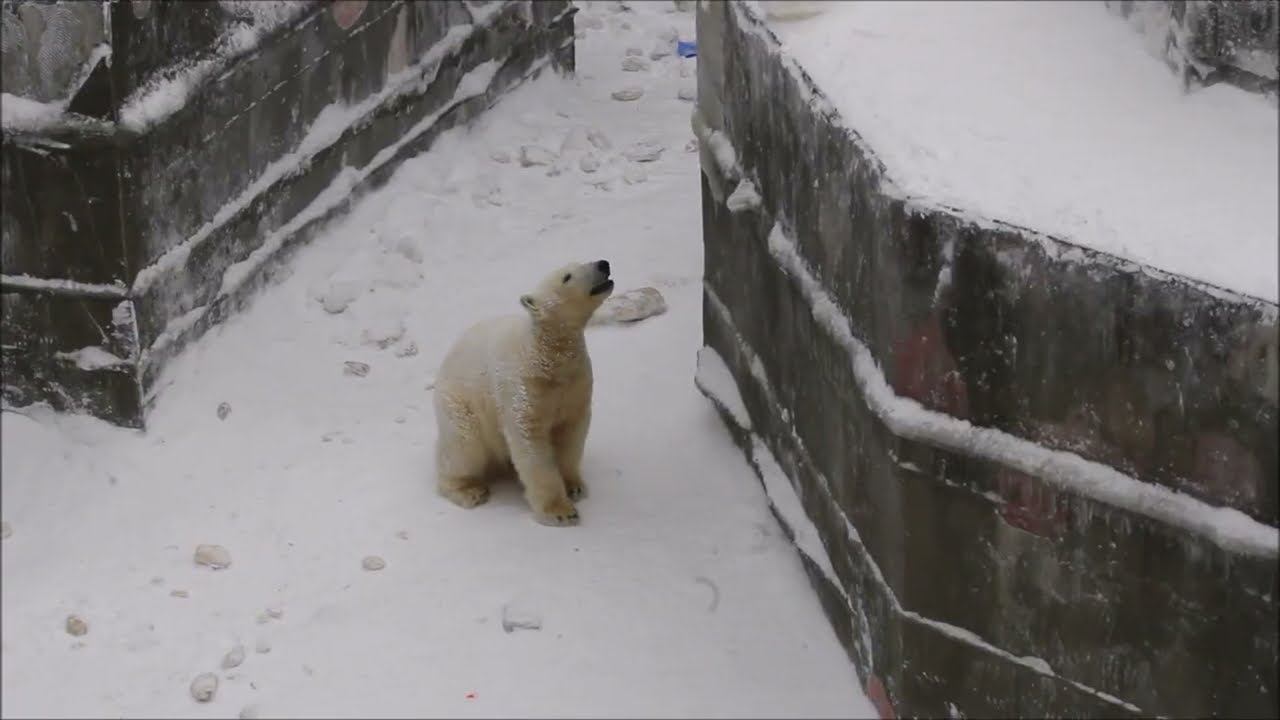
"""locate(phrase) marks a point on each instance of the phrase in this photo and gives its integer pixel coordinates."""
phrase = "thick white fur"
(516, 391)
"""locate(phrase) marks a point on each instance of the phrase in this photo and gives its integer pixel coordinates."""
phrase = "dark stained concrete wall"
(98, 201)
(956, 565)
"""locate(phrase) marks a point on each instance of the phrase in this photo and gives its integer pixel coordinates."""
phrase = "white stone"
(589, 163)
(214, 556)
(204, 686)
(634, 64)
(628, 93)
(500, 156)
(233, 658)
(516, 619)
(644, 151)
(373, 563)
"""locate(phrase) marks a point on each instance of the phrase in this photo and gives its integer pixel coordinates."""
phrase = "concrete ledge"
(990, 587)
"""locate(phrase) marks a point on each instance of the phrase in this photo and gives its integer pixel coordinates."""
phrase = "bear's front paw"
(466, 496)
(558, 513)
(574, 488)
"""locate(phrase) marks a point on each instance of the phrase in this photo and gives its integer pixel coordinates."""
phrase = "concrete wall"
(1098, 537)
(171, 184)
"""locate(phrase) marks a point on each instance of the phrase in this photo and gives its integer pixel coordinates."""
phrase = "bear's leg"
(569, 442)
(461, 461)
(544, 489)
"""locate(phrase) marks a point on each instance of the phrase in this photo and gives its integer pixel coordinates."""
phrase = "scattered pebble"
(204, 686)
(500, 156)
(373, 563)
(514, 619)
(644, 151)
(179, 594)
(6, 530)
(224, 409)
(531, 155)
(634, 175)
(215, 556)
(634, 52)
(629, 93)
(403, 534)
(233, 658)
(339, 296)
(400, 419)
(354, 368)
(634, 63)
(263, 646)
(249, 712)
(76, 625)
(589, 163)
(687, 93)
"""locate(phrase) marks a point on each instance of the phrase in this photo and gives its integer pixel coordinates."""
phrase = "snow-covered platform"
(999, 298)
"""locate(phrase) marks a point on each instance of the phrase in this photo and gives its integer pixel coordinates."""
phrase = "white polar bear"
(516, 391)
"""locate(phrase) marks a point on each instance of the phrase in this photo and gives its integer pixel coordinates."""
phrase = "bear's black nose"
(603, 266)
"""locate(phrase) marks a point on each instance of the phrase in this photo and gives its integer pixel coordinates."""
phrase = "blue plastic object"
(686, 49)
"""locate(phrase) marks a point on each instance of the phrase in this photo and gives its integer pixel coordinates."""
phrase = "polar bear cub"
(516, 391)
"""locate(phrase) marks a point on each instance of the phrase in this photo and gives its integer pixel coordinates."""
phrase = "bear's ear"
(529, 303)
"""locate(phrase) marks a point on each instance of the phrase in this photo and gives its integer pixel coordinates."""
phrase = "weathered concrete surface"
(958, 566)
(1212, 41)
(160, 211)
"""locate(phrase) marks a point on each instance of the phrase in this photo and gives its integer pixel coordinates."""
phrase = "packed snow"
(1054, 116)
(273, 544)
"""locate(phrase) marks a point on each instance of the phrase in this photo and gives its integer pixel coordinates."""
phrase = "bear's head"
(567, 297)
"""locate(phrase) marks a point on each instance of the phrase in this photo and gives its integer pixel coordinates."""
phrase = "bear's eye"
(567, 277)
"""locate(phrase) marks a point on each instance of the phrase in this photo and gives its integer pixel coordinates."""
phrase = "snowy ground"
(1054, 116)
(677, 596)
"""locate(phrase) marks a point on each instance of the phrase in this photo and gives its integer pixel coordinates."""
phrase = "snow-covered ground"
(676, 596)
(1054, 116)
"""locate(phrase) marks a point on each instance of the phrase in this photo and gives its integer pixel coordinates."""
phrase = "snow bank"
(1052, 116)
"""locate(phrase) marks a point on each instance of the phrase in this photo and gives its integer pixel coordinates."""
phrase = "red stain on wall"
(1030, 504)
(346, 12)
(879, 696)
(925, 371)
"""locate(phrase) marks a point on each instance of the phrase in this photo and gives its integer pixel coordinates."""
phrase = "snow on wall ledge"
(1009, 445)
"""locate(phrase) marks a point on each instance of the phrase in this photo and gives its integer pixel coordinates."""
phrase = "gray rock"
(214, 556)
